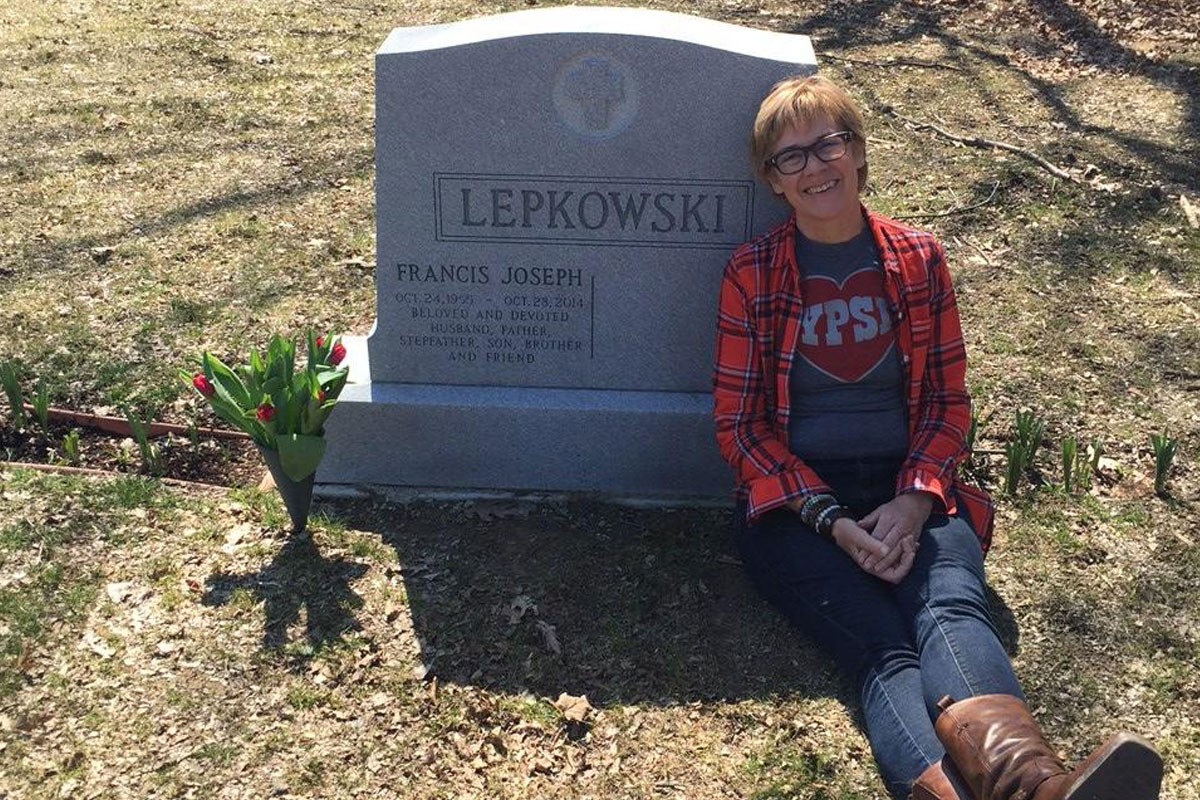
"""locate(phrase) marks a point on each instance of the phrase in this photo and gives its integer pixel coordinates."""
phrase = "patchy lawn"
(183, 176)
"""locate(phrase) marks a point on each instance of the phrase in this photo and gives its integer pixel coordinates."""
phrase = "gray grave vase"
(296, 495)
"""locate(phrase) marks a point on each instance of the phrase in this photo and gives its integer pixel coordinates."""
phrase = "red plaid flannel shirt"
(758, 324)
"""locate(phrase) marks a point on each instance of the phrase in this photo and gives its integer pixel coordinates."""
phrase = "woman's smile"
(824, 187)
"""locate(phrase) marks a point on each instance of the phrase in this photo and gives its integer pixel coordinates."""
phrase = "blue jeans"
(903, 646)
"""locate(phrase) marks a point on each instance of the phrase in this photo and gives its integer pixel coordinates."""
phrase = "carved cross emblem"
(597, 88)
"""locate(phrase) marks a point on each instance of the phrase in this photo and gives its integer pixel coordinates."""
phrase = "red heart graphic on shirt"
(845, 330)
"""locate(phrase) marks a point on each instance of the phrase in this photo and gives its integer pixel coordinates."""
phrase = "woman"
(840, 402)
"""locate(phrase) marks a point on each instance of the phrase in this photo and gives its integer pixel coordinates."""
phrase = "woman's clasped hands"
(884, 543)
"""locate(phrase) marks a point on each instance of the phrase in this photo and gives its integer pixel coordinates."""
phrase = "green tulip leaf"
(328, 375)
(229, 387)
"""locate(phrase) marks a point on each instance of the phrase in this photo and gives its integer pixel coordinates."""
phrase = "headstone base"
(622, 445)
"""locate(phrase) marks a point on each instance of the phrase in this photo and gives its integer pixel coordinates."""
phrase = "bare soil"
(216, 462)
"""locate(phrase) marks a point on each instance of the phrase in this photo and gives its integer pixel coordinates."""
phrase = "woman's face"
(824, 195)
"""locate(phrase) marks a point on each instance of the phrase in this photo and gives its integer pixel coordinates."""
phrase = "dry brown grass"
(162, 643)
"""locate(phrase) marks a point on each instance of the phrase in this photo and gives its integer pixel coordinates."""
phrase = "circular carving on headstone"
(596, 95)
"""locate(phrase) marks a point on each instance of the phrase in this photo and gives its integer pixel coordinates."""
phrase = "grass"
(47, 581)
(803, 770)
(181, 178)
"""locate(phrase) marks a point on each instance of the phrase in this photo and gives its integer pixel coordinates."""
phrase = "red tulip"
(320, 396)
(204, 386)
(265, 412)
(337, 354)
(320, 341)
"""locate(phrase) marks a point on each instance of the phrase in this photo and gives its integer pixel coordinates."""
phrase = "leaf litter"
(390, 659)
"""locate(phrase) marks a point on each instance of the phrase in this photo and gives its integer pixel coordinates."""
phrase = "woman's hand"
(887, 560)
(897, 524)
(865, 549)
(871, 554)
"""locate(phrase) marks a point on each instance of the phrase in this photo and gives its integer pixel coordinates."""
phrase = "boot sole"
(1126, 768)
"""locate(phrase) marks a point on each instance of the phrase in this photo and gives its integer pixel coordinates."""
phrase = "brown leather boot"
(1001, 754)
(939, 781)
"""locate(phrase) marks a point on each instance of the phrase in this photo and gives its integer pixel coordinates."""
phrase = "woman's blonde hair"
(800, 101)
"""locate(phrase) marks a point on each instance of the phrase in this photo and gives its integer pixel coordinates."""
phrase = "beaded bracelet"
(828, 517)
(812, 501)
(814, 506)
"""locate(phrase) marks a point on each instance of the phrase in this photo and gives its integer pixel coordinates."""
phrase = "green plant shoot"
(1164, 454)
(977, 424)
(1070, 456)
(151, 457)
(12, 389)
(41, 406)
(70, 447)
(1014, 466)
(1030, 430)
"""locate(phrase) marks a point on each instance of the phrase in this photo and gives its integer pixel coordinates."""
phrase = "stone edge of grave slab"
(768, 45)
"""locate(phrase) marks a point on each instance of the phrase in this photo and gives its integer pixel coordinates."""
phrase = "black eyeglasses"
(828, 148)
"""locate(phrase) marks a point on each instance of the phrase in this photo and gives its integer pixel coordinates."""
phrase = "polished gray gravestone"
(557, 192)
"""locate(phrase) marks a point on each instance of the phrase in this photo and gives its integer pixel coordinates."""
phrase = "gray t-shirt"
(847, 382)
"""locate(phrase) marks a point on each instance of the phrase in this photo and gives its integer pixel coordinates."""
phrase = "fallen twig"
(985, 144)
(892, 62)
(958, 210)
(977, 248)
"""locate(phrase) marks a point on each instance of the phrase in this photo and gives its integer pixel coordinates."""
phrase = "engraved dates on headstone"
(487, 313)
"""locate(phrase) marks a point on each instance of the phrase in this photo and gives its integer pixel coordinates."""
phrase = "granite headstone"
(556, 193)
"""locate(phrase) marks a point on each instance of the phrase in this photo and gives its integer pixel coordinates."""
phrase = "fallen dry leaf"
(574, 709)
(92, 641)
(235, 536)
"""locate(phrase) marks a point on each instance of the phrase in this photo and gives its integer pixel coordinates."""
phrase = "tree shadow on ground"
(1067, 34)
(627, 606)
(299, 585)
